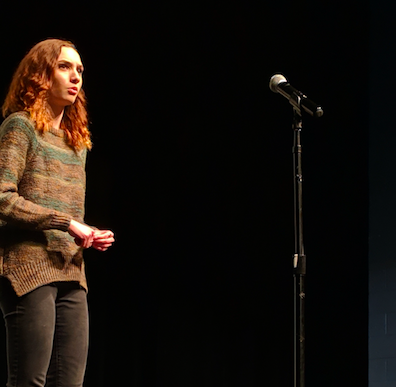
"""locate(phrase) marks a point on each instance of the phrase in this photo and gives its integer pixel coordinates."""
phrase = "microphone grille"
(275, 81)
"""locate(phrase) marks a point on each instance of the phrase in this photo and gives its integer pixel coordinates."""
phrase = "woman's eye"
(63, 66)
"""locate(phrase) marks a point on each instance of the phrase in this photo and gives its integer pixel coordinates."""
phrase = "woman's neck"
(57, 115)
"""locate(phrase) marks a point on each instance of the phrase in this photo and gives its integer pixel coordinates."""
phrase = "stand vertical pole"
(299, 261)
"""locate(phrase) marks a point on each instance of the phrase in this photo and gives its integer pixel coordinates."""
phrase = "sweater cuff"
(61, 221)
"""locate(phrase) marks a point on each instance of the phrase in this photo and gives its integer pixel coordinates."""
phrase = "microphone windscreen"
(275, 81)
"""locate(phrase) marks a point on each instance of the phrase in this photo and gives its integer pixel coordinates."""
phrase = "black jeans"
(47, 335)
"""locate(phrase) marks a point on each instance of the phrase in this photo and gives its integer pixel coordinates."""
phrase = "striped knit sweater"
(42, 187)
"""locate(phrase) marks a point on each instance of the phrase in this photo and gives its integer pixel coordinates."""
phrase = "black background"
(192, 170)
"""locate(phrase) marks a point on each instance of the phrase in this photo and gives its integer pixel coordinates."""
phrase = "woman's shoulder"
(18, 121)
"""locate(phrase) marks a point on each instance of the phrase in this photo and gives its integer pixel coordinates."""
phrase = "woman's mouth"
(73, 90)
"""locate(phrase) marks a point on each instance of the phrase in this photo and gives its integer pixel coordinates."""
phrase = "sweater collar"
(57, 132)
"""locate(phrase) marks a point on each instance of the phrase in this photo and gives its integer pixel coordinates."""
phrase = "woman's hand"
(83, 234)
(102, 239)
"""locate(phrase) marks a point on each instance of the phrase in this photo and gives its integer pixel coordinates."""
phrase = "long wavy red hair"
(29, 92)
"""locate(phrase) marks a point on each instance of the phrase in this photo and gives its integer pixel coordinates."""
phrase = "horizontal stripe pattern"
(42, 187)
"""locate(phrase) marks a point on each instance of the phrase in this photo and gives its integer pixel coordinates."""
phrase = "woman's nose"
(75, 76)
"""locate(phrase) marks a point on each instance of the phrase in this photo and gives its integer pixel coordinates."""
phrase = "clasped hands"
(86, 236)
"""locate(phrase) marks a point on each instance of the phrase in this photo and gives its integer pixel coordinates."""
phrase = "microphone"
(279, 84)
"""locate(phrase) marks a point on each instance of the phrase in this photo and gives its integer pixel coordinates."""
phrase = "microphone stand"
(299, 261)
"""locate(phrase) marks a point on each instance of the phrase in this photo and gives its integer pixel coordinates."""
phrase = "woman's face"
(66, 80)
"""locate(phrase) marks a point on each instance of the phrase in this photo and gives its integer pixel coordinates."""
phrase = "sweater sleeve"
(17, 141)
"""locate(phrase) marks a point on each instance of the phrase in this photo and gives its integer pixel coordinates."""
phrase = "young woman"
(43, 144)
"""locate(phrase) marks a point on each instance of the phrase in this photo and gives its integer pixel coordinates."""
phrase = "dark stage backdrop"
(192, 169)
(382, 264)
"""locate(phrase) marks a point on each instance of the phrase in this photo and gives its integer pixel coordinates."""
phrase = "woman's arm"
(17, 141)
